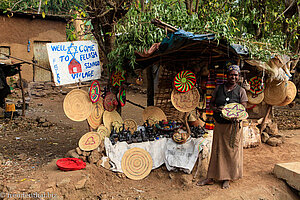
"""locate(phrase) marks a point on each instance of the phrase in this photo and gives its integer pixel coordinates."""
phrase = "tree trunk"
(150, 86)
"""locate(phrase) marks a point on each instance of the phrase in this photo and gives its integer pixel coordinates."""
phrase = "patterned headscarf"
(234, 68)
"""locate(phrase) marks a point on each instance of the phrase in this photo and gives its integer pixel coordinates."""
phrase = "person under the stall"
(226, 162)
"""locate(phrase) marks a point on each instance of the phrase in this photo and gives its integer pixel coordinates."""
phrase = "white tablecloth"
(164, 150)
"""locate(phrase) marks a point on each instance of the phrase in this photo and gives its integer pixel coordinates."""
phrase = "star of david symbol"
(234, 111)
(72, 50)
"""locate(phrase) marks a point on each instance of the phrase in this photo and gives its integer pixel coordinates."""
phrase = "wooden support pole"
(150, 86)
(186, 114)
(22, 89)
(263, 126)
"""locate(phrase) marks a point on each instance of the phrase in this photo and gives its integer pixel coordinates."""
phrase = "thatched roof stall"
(183, 50)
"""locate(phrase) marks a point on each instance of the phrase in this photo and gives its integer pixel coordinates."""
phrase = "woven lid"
(110, 117)
(95, 91)
(95, 119)
(77, 105)
(275, 92)
(234, 110)
(179, 138)
(103, 131)
(131, 124)
(89, 141)
(255, 99)
(110, 102)
(154, 112)
(122, 96)
(187, 101)
(291, 92)
(136, 163)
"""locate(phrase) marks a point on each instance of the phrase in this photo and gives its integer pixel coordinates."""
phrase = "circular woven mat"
(255, 98)
(110, 102)
(89, 141)
(95, 92)
(109, 118)
(77, 105)
(95, 119)
(234, 110)
(275, 92)
(291, 93)
(131, 124)
(154, 112)
(136, 163)
(102, 130)
(187, 101)
(256, 85)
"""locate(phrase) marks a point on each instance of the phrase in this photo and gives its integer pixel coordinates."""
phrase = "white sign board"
(73, 62)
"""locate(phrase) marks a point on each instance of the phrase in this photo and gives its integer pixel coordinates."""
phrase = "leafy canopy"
(237, 21)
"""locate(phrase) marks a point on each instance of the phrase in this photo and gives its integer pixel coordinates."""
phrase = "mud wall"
(15, 32)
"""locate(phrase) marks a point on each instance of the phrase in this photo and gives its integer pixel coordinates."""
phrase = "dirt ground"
(29, 149)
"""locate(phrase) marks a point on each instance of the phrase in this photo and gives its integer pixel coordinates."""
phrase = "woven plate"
(131, 124)
(234, 110)
(136, 163)
(154, 112)
(109, 118)
(291, 93)
(184, 81)
(102, 130)
(117, 78)
(275, 92)
(187, 101)
(122, 96)
(256, 85)
(95, 119)
(77, 105)
(110, 102)
(89, 141)
(255, 98)
(95, 92)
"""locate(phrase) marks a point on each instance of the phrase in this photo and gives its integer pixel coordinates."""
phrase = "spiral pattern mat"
(95, 92)
(95, 119)
(77, 105)
(184, 81)
(256, 85)
(136, 163)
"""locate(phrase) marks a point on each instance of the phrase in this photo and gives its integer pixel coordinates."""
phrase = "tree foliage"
(266, 27)
(46, 6)
(256, 24)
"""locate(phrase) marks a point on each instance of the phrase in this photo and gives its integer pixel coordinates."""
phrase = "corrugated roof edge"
(63, 18)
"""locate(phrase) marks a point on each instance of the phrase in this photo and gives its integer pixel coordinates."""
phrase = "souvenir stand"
(178, 129)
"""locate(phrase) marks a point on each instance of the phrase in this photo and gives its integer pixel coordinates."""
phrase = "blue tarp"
(178, 38)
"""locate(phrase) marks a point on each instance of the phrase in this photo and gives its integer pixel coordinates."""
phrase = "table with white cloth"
(163, 151)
